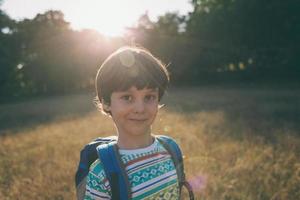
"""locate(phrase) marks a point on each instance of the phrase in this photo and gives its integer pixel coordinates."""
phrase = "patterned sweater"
(151, 173)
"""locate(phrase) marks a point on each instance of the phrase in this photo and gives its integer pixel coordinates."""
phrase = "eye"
(150, 97)
(126, 97)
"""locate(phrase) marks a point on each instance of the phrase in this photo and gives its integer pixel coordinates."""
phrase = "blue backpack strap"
(115, 171)
(87, 156)
(174, 150)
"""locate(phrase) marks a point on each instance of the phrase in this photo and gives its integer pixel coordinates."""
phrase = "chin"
(140, 131)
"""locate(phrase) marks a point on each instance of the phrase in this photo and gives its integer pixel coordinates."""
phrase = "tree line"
(219, 42)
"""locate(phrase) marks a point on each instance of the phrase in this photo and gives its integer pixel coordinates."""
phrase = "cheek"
(153, 109)
(117, 110)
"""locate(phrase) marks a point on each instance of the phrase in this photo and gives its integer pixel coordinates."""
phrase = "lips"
(138, 120)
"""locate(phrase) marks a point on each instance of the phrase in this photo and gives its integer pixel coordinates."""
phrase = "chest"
(152, 175)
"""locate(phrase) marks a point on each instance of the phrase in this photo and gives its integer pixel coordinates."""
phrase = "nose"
(139, 106)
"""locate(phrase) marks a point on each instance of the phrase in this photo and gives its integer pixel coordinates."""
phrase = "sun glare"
(108, 17)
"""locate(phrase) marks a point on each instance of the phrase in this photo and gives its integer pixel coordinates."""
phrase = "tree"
(170, 24)
(44, 45)
(266, 32)
(8, 54)
(252, 23)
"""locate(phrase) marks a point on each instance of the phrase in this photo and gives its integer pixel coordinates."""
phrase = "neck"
(134, 142)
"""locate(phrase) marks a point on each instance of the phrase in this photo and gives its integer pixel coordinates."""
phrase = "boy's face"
(134, 111)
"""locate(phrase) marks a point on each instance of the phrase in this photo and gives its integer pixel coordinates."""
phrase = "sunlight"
(108, 17)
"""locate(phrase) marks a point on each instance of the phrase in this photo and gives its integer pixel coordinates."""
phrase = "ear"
(105, 105)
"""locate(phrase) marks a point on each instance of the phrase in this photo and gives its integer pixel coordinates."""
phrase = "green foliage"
(268, 30)
(250, 23)
(47, 57)
(170, 24)
(8, 52)
(220, 41)
(44, 44)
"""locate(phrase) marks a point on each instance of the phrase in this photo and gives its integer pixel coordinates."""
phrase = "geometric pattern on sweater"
(151, 174)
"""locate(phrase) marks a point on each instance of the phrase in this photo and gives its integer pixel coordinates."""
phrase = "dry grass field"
(238, 143)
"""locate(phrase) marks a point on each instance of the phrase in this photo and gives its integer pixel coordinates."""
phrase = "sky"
(109, 17)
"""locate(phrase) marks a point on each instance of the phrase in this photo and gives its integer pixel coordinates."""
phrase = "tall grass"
(237, 144)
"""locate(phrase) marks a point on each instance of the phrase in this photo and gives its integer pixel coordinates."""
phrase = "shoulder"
(167, 141)
(97, 183)
(165, 138)
(172, 147)
(96, 169)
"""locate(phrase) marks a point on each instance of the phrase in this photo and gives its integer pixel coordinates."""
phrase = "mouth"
(138, 120)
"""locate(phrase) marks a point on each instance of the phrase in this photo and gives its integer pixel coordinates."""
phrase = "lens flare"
(198, 182)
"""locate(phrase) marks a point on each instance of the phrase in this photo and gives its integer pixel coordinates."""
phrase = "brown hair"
(127, 67)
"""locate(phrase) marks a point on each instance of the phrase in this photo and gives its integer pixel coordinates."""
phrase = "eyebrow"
(152, 90)
(147, 90)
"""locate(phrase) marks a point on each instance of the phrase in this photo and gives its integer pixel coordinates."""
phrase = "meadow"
(238, 143)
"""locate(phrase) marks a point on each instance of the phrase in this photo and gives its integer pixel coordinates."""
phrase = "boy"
(129, 86)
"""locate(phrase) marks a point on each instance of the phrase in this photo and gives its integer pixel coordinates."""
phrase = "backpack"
(107, 151)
